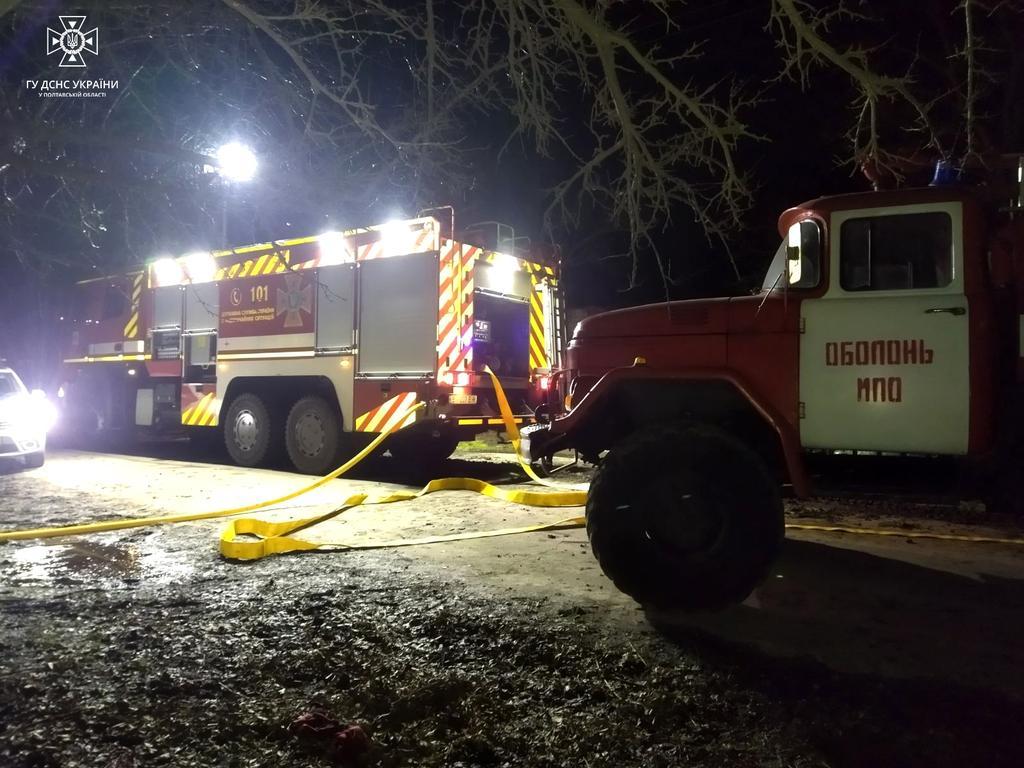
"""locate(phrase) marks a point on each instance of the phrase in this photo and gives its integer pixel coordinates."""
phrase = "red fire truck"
(889, 322)
(311, 346)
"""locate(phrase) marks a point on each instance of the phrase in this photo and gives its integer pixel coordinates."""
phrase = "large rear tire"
(313, 436)
(249, 430)
(684, 518)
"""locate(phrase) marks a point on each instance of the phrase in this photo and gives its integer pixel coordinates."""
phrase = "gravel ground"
(141, 649)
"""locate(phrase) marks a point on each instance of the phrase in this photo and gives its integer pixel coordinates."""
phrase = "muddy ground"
(145, 648)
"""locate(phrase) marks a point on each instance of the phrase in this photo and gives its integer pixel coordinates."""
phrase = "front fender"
(558, 433)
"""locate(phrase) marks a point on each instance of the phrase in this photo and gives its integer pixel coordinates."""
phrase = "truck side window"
(902, 252)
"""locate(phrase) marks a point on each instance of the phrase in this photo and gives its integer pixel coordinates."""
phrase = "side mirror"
(794, 261)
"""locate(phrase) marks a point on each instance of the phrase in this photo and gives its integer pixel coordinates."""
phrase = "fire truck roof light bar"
(506, 262)
(201, 267)
(397, 237)
(167, 271)
(334, 249)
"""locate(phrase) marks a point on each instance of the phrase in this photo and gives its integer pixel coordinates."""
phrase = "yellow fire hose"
(271, 538)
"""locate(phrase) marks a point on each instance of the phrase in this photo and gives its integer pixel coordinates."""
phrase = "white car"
(25, 418)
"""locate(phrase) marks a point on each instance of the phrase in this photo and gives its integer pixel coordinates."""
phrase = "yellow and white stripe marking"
(530, 266)
(202, 413)
(538, 355)
(390, 414)
(131, 328)
(266, 264)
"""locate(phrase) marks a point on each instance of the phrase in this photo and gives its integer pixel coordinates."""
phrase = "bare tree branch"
(801, 30)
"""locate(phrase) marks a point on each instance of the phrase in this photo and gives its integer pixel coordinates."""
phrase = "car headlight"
(46, 415)
(29, 414)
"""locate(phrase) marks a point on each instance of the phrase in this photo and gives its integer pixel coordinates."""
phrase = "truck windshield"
(773, 277)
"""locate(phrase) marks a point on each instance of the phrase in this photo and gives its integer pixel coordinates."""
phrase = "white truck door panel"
(398, 315)
(884, 356)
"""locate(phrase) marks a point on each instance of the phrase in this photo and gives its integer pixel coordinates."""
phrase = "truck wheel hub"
(309, 434)
(682, 520)
(246, 430)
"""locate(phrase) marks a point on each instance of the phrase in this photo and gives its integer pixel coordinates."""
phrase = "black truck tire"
(313, 436)
(684, 518)
(249, 430)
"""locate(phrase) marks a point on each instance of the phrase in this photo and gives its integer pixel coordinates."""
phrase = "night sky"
(802, 153)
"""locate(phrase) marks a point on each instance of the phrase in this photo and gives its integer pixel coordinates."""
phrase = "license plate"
(462, 399)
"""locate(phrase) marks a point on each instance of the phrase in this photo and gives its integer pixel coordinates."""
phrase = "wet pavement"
(144, 647)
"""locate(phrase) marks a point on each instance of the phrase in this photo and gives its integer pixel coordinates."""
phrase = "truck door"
(501, 318)
(884, 352)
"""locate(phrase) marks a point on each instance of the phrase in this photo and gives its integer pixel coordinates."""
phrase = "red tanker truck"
(888, 322)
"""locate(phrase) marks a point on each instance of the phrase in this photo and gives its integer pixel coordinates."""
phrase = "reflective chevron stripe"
(392, 413)
(538, 353)
(265, 264)
(455, 308)
(131, 328)
(202, 413)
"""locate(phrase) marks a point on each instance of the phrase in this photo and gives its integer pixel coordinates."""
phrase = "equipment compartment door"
(201, 313)
(168, 308)
(398, 315)
(335, 306)
(884, 357)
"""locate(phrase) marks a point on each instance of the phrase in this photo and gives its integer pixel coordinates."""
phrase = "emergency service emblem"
(73, 41)
(293, 300)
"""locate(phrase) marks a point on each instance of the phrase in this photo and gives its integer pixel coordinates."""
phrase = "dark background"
(802, 152)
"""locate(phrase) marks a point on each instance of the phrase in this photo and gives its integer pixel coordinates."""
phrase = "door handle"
(949, 310)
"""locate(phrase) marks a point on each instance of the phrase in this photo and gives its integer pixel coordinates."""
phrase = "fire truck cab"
(888, 322)
(311, 346)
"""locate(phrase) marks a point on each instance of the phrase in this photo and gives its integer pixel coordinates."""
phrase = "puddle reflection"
(86, 560)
